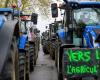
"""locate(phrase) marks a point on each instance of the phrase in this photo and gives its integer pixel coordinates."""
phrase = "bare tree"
(30, 6)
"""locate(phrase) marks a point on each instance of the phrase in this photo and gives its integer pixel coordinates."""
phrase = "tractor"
(29, 42)
(9, 52)
(45, 42)
(79, 41)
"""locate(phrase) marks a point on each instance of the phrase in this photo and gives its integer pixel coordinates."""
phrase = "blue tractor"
(9, 53)
(29, 42)
(81, 33)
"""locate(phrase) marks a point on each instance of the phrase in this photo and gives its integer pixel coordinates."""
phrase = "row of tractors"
(19, 44)
(74, 42)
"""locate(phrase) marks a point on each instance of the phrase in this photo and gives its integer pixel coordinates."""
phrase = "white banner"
(19, 3)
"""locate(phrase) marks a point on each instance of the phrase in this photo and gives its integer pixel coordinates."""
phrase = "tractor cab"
(87, 17)
(25, 23)
(27, 27)
(6, 13)
(80, 18)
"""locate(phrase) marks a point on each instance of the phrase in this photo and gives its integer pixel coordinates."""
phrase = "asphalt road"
(45, 68)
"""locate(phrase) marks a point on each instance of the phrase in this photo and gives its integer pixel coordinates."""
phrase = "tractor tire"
(45, 50)
(27, 69)
(35, 52)
(10, 69)
(31, 53)
(52, 53)
(22, 66)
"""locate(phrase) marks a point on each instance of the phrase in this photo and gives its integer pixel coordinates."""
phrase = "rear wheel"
(52, 53)
(27, 62)
(10, 69)
(31, 53)
(22, 66)
(45, 50)
(24, 63)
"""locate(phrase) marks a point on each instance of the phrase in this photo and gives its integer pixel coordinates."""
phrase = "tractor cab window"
(4, 18)
(76, 39)
(9, 17)
(84, 17)
(97, 32)
(28, 24)
(6, 15)
(22, 27)
(25, 25)
(90, 16)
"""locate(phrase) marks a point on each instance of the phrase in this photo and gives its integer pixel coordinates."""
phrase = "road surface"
(45, 68)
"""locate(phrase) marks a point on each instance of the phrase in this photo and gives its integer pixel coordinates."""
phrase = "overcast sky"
(42, 23)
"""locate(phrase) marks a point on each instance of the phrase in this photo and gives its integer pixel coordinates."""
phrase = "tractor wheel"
(27, 71)
(31, 53)
(45, 50)
(35, 53)
(10, 69)
(22, 66)
(53, 54)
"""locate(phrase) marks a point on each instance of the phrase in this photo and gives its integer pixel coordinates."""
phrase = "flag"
(19, 3)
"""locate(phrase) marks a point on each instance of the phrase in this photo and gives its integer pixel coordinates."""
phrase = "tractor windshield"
(89, 16)
(25, 25)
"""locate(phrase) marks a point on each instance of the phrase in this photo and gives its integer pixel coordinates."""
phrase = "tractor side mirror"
(34, 17)
(54, 10)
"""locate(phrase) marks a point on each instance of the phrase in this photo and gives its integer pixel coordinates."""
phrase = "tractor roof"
(6, 10)
(78, 5)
